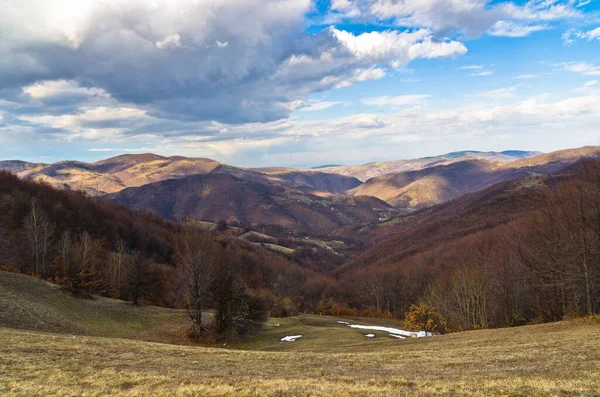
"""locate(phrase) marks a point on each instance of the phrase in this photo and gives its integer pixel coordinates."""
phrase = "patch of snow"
(344, 322)
(398, 336)
(392, 331)
(291, 338)
(370, 335)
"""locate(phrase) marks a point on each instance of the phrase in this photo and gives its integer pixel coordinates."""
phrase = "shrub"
(424, 318)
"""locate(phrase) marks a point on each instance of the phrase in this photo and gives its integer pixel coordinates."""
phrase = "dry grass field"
(559, 359)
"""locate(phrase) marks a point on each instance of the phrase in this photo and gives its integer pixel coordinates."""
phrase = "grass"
(31, 304)
(558, 359)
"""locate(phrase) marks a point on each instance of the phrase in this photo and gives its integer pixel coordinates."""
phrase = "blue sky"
(296, 82)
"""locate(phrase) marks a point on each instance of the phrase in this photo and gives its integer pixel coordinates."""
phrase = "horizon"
(316, 167)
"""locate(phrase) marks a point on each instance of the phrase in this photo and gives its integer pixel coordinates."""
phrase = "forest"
(538, 267)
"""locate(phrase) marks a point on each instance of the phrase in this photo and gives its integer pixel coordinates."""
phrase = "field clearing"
(73, 347)
(31, 304)
(561, 359)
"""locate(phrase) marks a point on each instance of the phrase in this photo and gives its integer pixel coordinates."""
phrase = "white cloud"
(583, 68)
(470, 17)
(525, 76)
(500, 93)
(234, 61)
(591, 83)
(61, 88)
(169, 42)
(471, 67)
(394, 100)
(483, 74)
(570, 35)
(513, 29)
(319, 105)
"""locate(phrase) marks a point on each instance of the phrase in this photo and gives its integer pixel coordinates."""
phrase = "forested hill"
(94, 246)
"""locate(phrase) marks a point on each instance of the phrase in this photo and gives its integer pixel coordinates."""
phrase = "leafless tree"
(39, 231)
(197, 256)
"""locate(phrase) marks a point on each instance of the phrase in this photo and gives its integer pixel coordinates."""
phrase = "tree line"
(544, 266)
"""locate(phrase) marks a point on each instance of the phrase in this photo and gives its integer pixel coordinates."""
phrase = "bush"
(284, 308)
(425, 318)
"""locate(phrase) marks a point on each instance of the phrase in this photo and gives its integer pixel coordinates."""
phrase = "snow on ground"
(344, 322)
(392, 331)
(370, 335)
(291, 338)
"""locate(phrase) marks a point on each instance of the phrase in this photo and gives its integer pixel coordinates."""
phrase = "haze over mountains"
(307, 201)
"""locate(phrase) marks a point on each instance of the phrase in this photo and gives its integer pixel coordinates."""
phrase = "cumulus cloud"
(61, 88)
(231, 60)
(468, 17)
(570, 36)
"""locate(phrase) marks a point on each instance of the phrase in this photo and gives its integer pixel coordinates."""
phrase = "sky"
(296, 83)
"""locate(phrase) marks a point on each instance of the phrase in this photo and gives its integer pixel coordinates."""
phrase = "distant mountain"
(133, 170)
(371, 170)
(16, 166)
(113, 174)
(307, 201)
(320, 183)
(447, 180)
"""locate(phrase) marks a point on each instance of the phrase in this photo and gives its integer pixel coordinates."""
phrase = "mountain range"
(324, 201)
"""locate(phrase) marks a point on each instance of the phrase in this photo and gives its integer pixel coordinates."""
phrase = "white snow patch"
(344, 322)
(291, 338)
(398, 336)
(392, 331)
(370, 335)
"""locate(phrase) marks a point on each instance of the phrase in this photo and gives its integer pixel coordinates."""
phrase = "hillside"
(372, 170)
(256, 202)
(113, 174)
(468, 214)
(28, 303)
(132, 170)
(98, 247)
(558, 359)
(49, 338)
(435, 184)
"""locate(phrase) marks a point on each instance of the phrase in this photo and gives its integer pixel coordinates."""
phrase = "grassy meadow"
(109, 351)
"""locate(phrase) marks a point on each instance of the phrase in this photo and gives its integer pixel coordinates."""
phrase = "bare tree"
(39, 231)
(469, 293)
(117, 264)
(197, 256)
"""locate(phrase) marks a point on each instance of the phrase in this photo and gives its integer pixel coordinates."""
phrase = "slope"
(372, 170)
(439, 183)
(31, 304)
(540, 360)
(220, 195)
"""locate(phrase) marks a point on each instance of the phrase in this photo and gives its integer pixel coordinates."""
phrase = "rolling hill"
(438, 183)
(372, 170)
(220, 195)
(425, 229)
